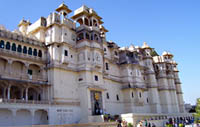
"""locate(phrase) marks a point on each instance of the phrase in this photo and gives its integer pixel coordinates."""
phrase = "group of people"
(145, 123)
(179, 121)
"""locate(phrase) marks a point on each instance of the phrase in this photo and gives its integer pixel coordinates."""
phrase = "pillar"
(8, 92)
(26, 94)
(22, 94)
(32, 116)
(14, 112)
(9, 67)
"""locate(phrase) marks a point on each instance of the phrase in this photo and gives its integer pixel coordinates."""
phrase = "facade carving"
(62, 70)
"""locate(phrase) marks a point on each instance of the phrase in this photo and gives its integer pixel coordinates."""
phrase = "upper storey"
(57, 27)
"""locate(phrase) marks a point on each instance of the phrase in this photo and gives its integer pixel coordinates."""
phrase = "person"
(153, 125)
(139, 124)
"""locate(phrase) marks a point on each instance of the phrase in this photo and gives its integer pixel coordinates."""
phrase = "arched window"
(87, 36)
(80, 37)
(40, 53)
(8, 45)
(2, 44)
(96, 37)
(35, 52)
(30, 51)
(13, 47)
(25, 50)
(86, 22)
(19, 48)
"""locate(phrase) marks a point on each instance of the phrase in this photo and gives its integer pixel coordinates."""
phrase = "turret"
(23, 26)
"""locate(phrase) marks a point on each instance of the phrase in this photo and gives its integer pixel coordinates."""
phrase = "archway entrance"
(96, 102)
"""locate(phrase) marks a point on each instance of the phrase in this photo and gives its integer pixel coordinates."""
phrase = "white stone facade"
(60, 70)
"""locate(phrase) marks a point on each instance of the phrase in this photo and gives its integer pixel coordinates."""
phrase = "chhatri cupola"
(63, 10)
(87, 16)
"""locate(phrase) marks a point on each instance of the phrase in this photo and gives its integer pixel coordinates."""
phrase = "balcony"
(25, 77)
(16, 54)
(18, 101)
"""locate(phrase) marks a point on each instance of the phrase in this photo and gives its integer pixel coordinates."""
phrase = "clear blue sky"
(172, 25)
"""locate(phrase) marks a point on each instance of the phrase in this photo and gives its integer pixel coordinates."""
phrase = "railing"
(2, 100)
(20, 101)
(22, 76)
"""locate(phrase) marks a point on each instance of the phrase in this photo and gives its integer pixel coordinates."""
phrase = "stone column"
(8, 92)
(32, 116)
(14, 112)
(22, 94)
(83, 18)
(26, 94)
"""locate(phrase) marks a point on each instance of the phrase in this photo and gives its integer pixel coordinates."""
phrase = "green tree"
(197, 114)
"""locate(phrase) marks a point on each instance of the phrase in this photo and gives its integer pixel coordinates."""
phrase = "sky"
(166, 25)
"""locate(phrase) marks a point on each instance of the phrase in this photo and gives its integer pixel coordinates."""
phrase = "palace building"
(61, 70)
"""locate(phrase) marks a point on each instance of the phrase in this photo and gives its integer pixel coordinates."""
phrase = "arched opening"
(17, 67)
(95, 23)
(5, 117)
(23, 117)
(15, 92)
(3, 63)
(35, 52)
(96, 37)
(41, 117)
(13, 47)
(35, 69)
(1, 92)
(19, 48)
(32, 94)
(86, 22)
(87, 36)
(80, 22)
(8, 45)
(30, 51)
(80, 37)
(25, 50)
(40, 53)
(2, 44)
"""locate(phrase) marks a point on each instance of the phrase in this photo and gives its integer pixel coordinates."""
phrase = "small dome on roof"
(2, 27)
(145, 45)
(165, 53)
(131, 48)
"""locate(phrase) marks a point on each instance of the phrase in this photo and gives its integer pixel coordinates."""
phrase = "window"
(104, 49)
(140, 94)
(132, 95)
(87, 36)
(2, 44)
(40, 53)
(25, 50)
(117, 96)
(8, 45)
(19, 48)
(30, 72)
(66, 53)
(107, 95)
(147, 100)
(116, 53)
(30, 51)
(13, 47)
(35, 52)
(107, 68)
(96, 78)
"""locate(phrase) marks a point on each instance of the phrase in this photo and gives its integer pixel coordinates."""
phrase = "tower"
(152, 82)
